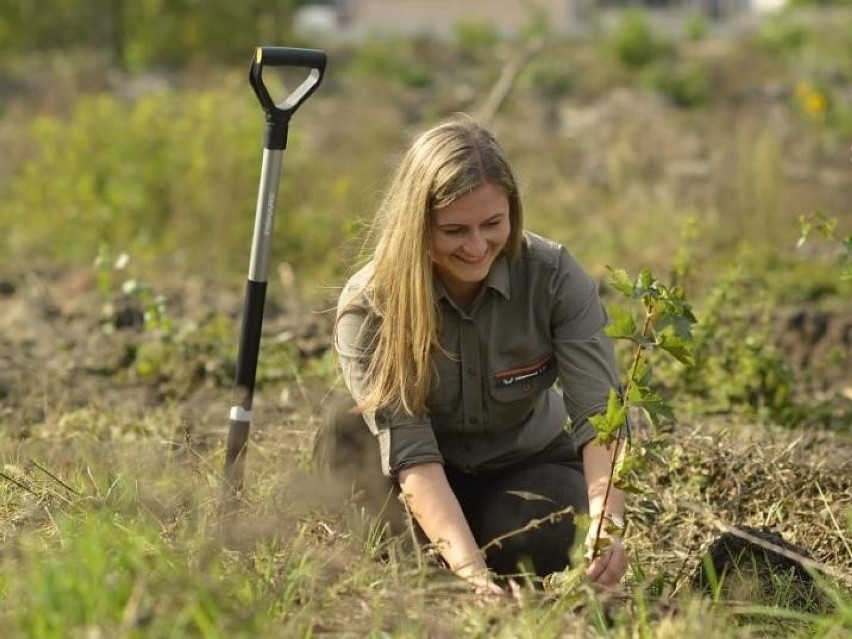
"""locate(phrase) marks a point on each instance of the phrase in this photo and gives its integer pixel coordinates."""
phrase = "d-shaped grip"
(278, 115)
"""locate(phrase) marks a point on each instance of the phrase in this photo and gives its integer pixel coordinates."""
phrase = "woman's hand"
(480, 579)
(610, 564)
(435, 507)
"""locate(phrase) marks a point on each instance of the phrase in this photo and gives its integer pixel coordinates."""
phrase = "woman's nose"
(475, 245)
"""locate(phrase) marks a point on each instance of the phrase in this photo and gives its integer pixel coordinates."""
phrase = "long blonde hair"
(443, 164)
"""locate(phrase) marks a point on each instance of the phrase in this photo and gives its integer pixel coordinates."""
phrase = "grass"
(111, 437)
(105, 537)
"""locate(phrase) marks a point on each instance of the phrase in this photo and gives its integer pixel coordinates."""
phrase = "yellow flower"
(815, 103)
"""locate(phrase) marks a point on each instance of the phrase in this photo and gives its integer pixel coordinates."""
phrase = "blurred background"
(691, 137)
(640, 130)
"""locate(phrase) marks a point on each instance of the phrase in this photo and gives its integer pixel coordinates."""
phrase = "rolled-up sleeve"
(586, 356)
(404, 440)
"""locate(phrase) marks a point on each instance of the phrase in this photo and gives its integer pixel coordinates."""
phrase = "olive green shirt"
(493, 402)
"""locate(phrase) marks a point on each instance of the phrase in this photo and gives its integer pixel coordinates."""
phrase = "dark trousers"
(501, 506)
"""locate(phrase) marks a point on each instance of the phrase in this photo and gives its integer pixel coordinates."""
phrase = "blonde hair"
(443, 164)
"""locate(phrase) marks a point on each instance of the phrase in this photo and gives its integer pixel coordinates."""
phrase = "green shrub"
(391, 60)
(634, 43)
(684, 83)
(171, 178)
(738, 368)
(697, 27)
(782, 34)
(550, 77)
(147, 34)
(473, 39)
(152, 178)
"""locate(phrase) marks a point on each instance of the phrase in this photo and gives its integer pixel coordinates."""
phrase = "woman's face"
(467, 236)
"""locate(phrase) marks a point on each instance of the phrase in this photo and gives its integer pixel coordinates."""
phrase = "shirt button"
(472, 421)
(527, 387)
(471, 371)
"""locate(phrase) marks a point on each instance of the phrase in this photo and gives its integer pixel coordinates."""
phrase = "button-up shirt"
(494, 400)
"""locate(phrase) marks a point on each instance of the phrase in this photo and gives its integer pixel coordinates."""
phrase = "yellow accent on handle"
(258, 55)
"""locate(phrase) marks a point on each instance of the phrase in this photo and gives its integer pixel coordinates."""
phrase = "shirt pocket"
(516, 390)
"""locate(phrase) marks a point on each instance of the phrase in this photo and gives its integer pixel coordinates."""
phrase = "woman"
(450, 341)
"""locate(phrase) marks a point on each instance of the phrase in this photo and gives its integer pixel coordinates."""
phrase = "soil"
(65, 347)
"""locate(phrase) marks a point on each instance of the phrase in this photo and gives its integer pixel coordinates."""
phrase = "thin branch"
(506, 81)
(531, 524)
(54, 477)
(640, 350)
(23, 487)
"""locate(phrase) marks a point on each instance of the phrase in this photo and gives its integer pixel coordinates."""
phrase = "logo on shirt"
(525, 373)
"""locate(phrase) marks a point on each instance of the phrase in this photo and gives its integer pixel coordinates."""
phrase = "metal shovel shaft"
(253, 305)
(275, 141)
(252, 324)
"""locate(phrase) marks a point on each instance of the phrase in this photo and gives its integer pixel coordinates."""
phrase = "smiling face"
(466, 237)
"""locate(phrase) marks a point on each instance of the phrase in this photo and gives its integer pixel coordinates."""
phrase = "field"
(126, 207)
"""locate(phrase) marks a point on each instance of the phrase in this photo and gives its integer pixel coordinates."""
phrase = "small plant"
(176, 356)
(128, 302)
(826, 226)
(666, 326)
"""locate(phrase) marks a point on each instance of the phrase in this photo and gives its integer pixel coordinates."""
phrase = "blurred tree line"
(141, 34)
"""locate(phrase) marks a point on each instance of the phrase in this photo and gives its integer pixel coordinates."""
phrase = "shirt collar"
(498, 279)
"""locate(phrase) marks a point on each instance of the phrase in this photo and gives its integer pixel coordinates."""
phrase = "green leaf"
(635, 394)
(655, 407)
(622, 324)
(608, 424)
(616, 411)
(681, 324)
(642, 373)
(625, 485)
(602, 427)
(621, 282)
(676, 346)
(645, 279)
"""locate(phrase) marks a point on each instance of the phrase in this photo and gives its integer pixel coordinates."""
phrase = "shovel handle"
(278, 114)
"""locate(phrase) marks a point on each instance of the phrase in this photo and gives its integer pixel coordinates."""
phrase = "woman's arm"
(597, 461)
(436, 509)
(610, 565)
